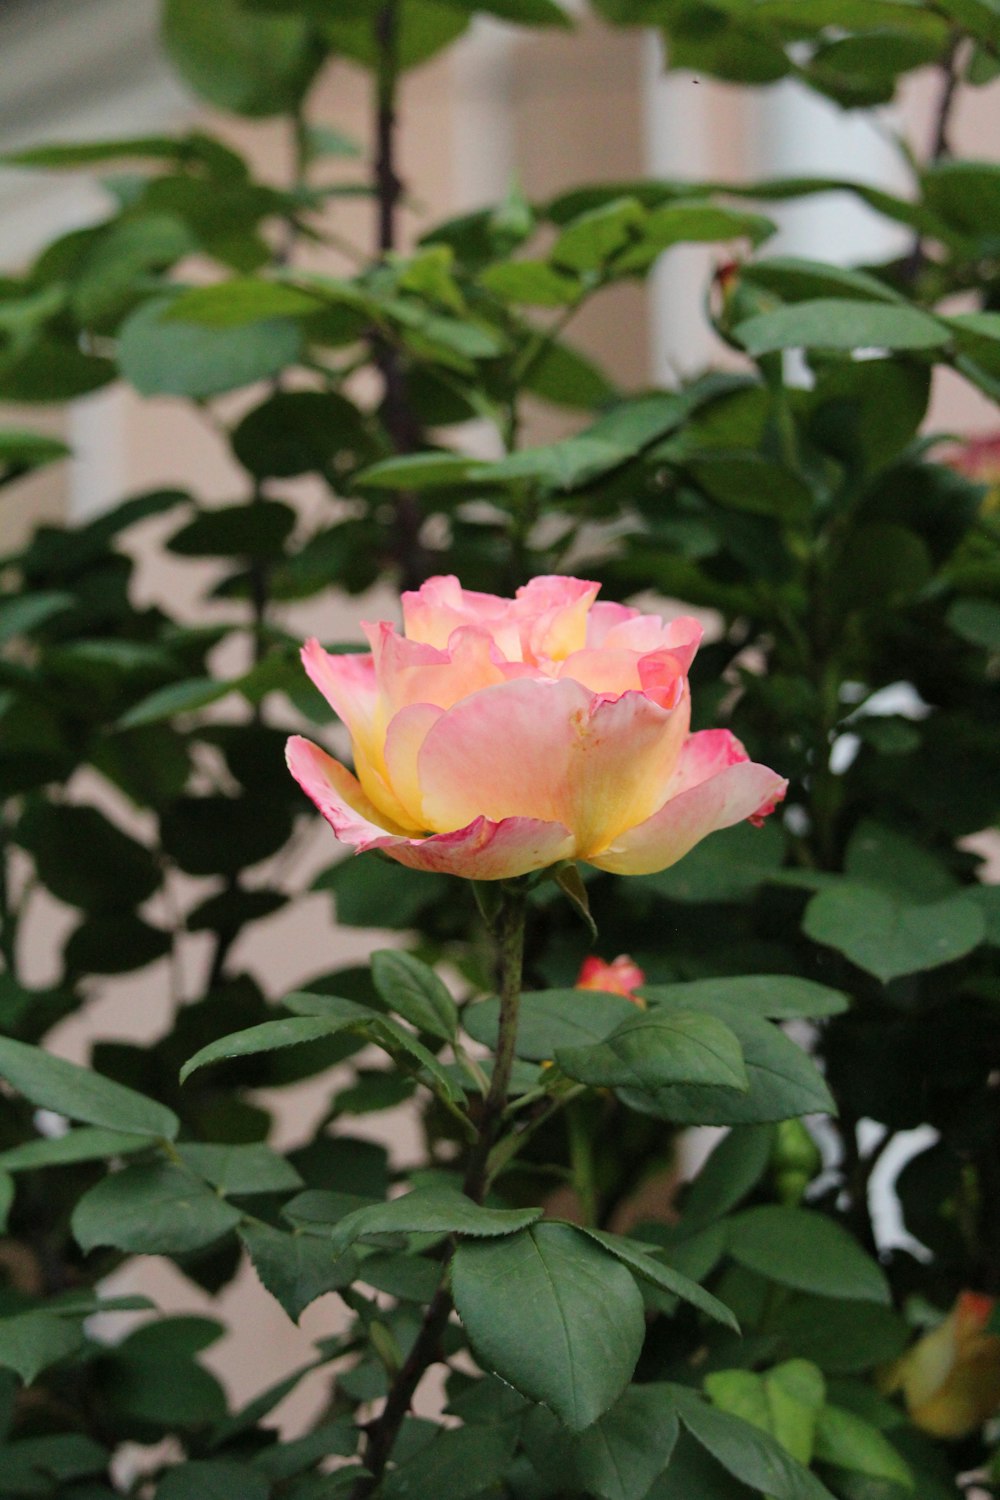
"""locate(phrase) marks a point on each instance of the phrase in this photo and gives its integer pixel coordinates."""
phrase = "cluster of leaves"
(857, 585)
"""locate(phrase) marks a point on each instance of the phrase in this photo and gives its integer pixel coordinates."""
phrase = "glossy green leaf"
(53, 1083)
(649, 1267)
(618, 1457)
(777, 997)
(269, 1036)
(783, 1080)
(889, 936)
(152, 1210)
(551, 1018)
(553, 1315)
(658, 1048)
(252, 1168)
(296, 1268)
(88, 1143)
(751, 1456)
(414, 991)
(432, 1210)
(457, 1464)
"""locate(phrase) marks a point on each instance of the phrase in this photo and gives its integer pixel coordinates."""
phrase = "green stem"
(508, 932)
(581, 1156)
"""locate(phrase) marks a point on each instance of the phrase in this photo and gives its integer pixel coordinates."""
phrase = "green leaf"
(53, 1083)
(803, 1249)
(258, 531)
(751, 1456)
(163, 358)
(593, 240)
(419, 471)
(8, 1189)
(888, 936)
(152, 1210)
(657, 1048)
(649, 1267)
(24, 613)
(213, 1479)
(618, 1457)
(89, 1143)
(31, 1341)
(269, 1036)
(733, 1170)
(118, 872)
(549, 1019)
(240, 1169)
(784, 1402)
(300, 432)
(553, 1315)
(250, 64)
(777, 997)
(531, 281)
(457, 1464)
(784, 1081)
(238, 302)
(432, 1210)
(839, 323)
(296, 1268)
(880, 856)
(976, 621)
(176, 698)
(415, 992)
(849, 1442)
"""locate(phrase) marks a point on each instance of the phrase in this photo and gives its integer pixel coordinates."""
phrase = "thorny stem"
(382, 1434)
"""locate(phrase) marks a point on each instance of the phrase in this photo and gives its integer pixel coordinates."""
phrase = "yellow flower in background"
(950, 1378)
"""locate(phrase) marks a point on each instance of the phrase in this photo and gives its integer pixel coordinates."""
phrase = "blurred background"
(547, 109)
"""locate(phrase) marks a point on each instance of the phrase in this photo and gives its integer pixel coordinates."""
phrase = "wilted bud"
(950, 1378)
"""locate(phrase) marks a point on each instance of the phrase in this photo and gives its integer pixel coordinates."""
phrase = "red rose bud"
(620, 977)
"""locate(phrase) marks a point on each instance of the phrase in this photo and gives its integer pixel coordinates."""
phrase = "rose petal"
(339, 796)
(485, 850)
(728, 796)
(554, 751)
(412, 672)
(403, 742)
(347, 683)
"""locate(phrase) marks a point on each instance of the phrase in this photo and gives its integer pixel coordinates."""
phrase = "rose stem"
(508, 934)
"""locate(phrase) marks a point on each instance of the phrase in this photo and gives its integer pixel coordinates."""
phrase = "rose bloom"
(499, 736)
(622, 976)
(950, 1378)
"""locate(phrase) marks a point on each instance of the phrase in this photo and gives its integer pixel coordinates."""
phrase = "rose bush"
(500, 736)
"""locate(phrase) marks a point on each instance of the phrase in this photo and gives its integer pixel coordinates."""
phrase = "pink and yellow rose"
(499, 736)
